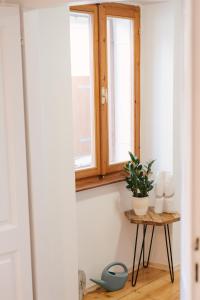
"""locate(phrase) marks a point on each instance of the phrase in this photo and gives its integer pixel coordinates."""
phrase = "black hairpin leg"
(144, 231)
(147, 263)
(169, 252)
(135, 276)
(142, 252)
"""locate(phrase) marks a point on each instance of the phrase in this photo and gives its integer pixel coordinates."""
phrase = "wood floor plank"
(153, 284)
(158, 289)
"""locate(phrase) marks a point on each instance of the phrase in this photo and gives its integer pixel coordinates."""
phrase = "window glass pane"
(81, 31)
(120, 49)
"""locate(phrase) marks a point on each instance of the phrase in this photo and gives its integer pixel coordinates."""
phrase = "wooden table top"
(151, 218)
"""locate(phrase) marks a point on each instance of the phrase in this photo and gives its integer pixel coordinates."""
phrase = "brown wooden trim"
(86, 173)
(97, 89)
(131, 12)
(121, 10)
(84, 8)
(137, 84)
(115, 167)
(92, 9)
(103, 84)
(97, 181)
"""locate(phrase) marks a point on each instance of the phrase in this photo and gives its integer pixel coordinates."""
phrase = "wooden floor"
(152, 284)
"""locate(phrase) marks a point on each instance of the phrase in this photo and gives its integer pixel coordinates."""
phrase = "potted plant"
(139, 183)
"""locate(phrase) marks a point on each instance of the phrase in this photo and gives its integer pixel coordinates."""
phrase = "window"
(105, 61)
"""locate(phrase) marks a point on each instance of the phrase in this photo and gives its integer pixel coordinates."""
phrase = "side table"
(152, 219)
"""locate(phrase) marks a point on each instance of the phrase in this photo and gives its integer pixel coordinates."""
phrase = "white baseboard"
(151, 265)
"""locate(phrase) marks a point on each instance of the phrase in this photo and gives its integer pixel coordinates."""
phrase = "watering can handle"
(115, 264)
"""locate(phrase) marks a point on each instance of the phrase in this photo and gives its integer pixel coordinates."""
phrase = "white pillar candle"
(169, 188)
(159, 205)
(169, 205)
(159, 187)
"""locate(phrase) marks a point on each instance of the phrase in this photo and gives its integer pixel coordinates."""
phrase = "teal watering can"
(112, 281)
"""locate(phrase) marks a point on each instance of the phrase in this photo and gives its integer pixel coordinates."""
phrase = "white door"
(195, 190)
(15, 262)
(196, 150)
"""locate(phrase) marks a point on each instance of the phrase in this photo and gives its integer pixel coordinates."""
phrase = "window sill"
(97, 181)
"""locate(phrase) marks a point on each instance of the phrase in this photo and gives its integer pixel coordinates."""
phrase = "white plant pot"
(140, 205)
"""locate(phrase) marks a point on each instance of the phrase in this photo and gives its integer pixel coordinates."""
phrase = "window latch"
(104, 95)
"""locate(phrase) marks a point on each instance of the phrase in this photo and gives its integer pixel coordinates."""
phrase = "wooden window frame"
(93, 10)
(104, 173)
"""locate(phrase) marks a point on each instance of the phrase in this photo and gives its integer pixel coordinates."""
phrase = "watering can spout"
(100, 282)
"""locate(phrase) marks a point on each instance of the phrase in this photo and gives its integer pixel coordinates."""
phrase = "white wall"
(162, 69)
(187, 196)
(104, 234)
(52, 191)
(157, 26)
(179, 165)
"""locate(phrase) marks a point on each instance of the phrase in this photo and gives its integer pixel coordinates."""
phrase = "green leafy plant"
(138, 179)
